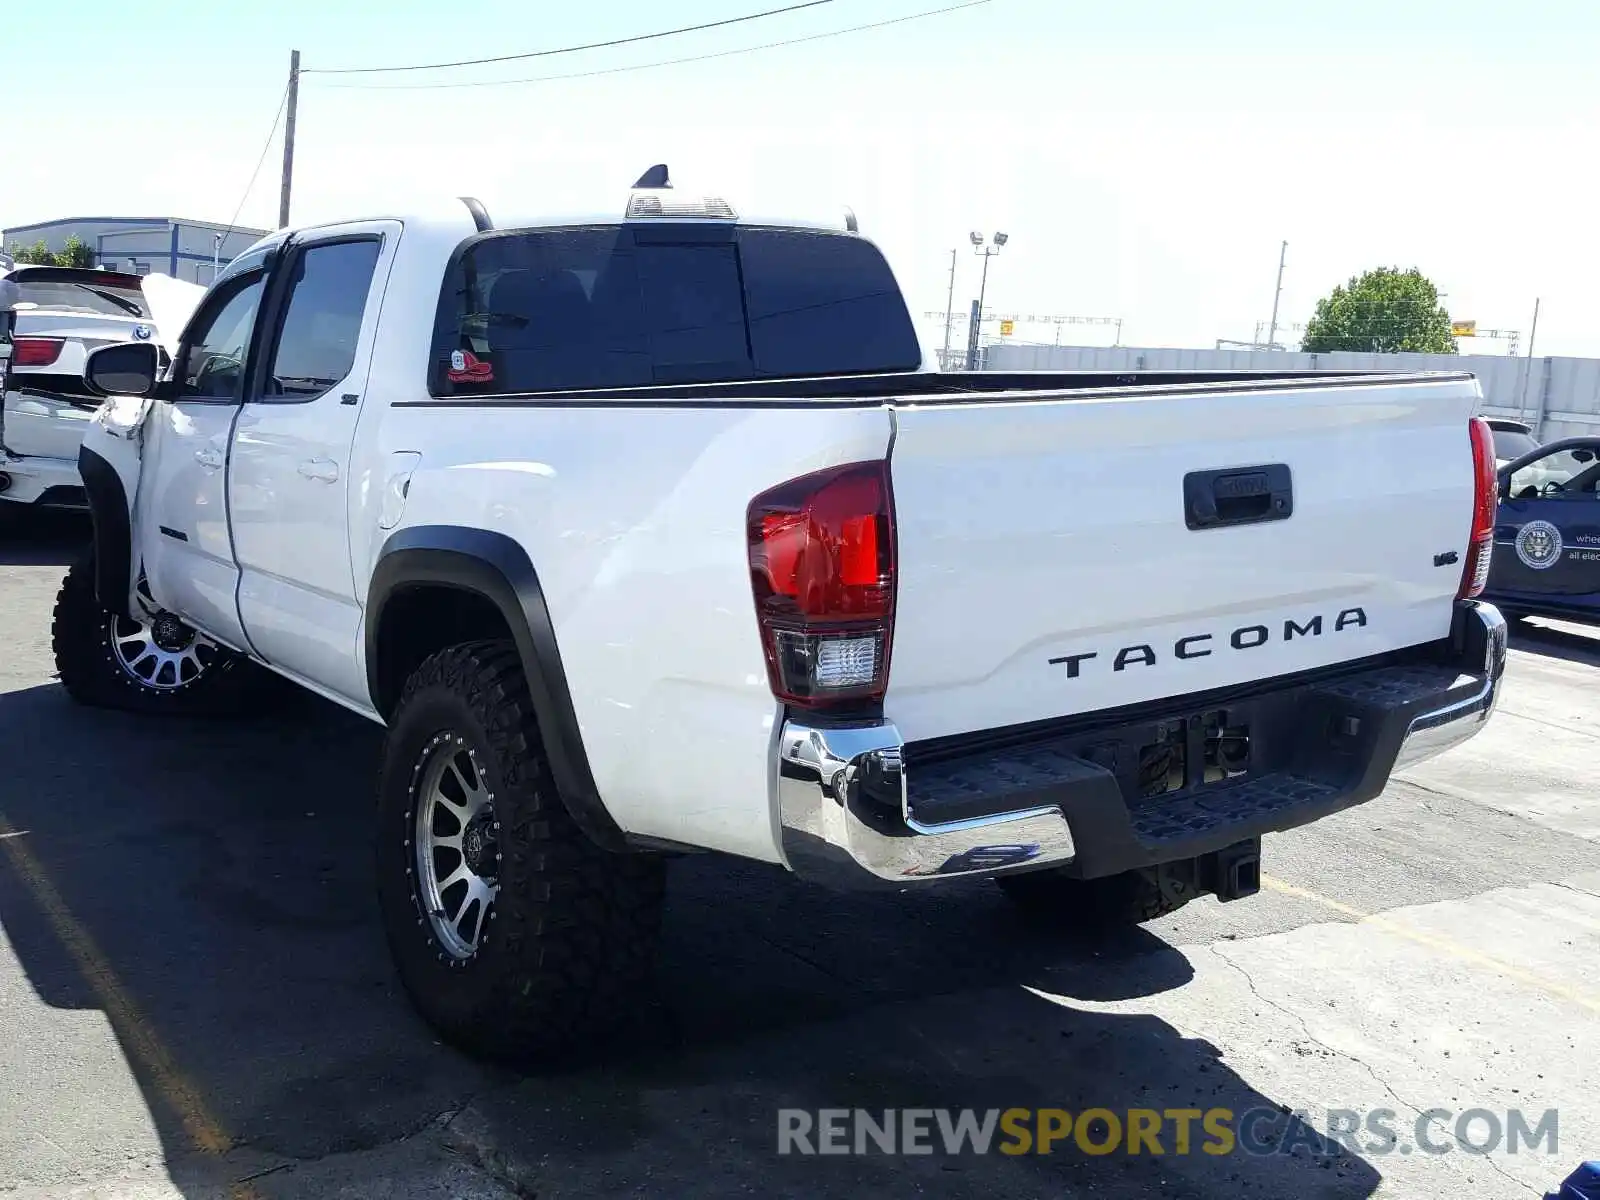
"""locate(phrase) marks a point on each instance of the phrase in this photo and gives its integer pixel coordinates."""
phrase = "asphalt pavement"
(196, 1001)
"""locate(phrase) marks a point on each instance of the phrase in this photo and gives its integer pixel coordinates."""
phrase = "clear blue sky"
(1145, 157)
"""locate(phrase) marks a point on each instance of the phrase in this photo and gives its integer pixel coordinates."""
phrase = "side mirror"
(125, 369)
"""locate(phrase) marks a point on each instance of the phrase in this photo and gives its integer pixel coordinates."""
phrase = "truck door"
(289, 469)
(1547, 535)
(180, 524)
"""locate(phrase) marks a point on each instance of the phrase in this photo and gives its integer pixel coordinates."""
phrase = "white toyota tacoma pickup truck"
(649, 532)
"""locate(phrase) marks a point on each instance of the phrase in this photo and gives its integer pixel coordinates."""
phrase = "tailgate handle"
(1237, 496)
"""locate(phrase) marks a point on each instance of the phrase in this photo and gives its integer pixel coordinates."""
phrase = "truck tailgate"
(1047, 564)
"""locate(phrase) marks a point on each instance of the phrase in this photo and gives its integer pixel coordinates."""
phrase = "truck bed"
(1045, 565)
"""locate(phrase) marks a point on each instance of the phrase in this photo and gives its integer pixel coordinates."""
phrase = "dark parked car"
(1512, 439)
(1547, 536)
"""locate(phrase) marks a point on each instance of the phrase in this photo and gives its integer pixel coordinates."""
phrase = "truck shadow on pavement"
(51, 538)
(208, 886)
(1572, 643)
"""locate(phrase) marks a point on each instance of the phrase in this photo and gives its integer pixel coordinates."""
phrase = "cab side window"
(214, 363)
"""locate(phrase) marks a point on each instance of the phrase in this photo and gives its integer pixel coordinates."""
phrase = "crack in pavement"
(1369, 1069)
(1431, 790)
(1580, 730)
(475, 1142)
(276, 1162)
(1575, 889)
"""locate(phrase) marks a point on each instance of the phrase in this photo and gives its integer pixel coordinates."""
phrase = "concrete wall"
(1560, 397)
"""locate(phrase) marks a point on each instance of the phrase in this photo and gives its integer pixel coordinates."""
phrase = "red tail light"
(35, 351)
(822, 565)
(1485, 504)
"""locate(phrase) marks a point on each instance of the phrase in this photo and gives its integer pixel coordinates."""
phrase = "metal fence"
(1559, 397)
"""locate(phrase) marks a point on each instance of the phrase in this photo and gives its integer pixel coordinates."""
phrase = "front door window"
(213, 366)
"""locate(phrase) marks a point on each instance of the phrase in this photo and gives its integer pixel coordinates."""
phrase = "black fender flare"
(495, 567)
(113, 538)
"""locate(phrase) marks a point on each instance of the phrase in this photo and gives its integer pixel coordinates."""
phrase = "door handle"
(209, 457)
(323, 470)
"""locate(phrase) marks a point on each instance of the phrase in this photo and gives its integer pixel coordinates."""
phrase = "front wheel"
(517, 938)
(159, 665)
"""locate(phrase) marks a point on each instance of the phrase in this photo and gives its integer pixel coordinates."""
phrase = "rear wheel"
(1131, 898)
(156, 665)
(516, 937)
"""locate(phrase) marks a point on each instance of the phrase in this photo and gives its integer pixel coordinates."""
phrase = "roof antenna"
(655, 177)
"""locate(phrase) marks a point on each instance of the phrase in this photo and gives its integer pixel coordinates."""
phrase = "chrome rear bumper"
(832, 788)
(849, 817)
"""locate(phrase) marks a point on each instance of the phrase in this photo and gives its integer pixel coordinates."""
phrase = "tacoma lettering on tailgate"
(1199, 645)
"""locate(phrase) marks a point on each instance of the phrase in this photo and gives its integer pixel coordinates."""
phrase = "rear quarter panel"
(634, 521)
(633, 518)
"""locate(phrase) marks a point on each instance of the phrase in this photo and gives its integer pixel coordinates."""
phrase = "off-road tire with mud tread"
(570, 943)
(80, 637)
(1130, 898)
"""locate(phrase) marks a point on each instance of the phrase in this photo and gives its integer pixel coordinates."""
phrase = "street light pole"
(988, 252)
(983, 281)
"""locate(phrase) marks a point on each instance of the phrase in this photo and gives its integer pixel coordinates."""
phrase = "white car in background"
(58, 315)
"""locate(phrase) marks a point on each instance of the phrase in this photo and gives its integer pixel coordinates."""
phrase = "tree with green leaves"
(1385, 311)
(73, 253)
(36, 255)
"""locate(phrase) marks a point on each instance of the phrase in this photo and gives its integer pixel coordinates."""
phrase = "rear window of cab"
(625, 306)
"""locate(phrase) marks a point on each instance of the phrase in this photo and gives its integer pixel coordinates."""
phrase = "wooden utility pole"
(288, 138)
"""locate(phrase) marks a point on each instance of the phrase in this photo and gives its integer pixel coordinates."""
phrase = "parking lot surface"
(195, 997)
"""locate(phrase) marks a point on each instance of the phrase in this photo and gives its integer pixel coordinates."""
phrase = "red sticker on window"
(466, 367)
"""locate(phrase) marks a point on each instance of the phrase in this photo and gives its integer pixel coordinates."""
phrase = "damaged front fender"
(109, 460)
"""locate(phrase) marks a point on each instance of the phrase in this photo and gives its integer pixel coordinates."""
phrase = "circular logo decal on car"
(141, 333)
(1539, 545)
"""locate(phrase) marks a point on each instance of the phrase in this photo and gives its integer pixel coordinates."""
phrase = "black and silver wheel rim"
(161, 653)
(455, 846)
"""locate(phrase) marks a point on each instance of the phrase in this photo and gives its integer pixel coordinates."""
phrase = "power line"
(642, 37)
(271, 133)
(669, 62)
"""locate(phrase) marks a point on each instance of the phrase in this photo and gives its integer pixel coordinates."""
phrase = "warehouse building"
(191, 250)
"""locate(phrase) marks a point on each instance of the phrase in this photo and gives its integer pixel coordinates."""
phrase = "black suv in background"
(1512, 439)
